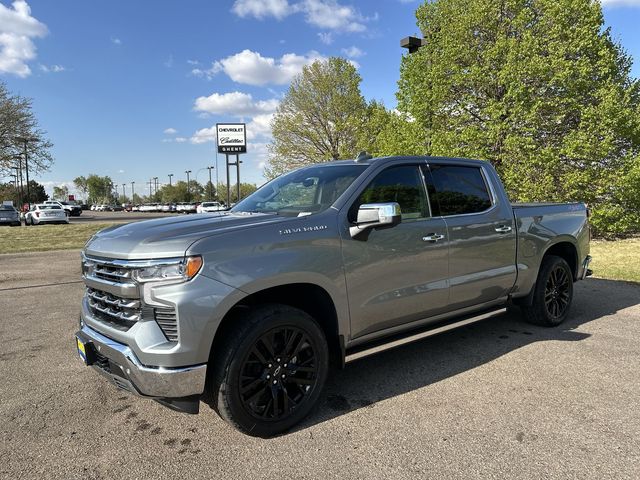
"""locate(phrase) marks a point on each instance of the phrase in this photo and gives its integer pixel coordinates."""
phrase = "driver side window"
(404, 185)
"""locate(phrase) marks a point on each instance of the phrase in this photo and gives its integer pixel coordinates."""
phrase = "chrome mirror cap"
(371, 215)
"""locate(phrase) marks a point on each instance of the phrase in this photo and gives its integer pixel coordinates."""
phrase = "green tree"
(178, 192)
(390, 132)
(319, 118)
(82, 186)
(37, 193)
(100, 189)
(61, 193)
(20, 131)
(537, 87)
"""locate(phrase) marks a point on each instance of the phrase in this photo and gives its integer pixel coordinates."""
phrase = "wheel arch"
(566, 250)
(308, 297)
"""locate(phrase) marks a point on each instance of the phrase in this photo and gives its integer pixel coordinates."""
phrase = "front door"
(399, 274)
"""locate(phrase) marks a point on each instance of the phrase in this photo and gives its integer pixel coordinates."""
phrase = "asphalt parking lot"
(499, 399)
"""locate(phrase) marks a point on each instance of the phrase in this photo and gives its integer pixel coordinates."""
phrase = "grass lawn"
(616, 260)
(47, 237)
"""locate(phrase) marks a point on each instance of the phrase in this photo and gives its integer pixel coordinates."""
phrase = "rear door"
(396, 275)
(481, 232)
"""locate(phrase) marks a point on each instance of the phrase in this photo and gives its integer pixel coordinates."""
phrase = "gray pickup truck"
(248, 308)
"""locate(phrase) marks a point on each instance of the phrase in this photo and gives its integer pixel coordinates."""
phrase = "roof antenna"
(362, 156)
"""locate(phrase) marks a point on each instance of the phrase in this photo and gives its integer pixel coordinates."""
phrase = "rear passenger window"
(458, 190)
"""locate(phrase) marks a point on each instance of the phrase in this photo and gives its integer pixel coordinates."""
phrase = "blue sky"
(132, 89)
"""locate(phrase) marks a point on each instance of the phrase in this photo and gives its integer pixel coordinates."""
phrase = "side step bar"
(397, 342)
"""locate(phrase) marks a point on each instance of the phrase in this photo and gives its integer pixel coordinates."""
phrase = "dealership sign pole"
(232, 140)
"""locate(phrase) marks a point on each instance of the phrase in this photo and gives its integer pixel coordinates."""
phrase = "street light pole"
(124, 192)
(188, 191)
(210, 184)
(170, 175)
(132, 191)
(155, 180)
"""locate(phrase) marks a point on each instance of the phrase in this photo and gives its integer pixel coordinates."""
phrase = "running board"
(397, 342)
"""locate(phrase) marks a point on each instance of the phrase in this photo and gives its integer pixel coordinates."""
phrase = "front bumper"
(118, 363)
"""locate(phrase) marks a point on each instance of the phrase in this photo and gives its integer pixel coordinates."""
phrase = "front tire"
(269, 370)
(553, 293)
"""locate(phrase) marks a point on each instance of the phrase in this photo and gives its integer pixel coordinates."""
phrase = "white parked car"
(42, 213)
(205, 207)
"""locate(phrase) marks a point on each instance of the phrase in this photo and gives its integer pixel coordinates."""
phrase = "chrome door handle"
(503, 229)
(432, 238)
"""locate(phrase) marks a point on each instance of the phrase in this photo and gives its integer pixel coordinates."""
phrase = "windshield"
(302, 192)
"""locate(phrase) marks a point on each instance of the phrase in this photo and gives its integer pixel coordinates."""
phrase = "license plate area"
(85, 351)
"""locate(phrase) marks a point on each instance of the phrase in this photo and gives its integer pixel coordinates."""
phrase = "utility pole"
(155, 180)
(170, 175)
(210, 184)
(132, 191)
(124, 192)
(188, 191)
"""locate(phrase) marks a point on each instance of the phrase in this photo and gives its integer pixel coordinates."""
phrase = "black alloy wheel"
(557, 292)
(278, 373)
(552, 295)
(268, 369)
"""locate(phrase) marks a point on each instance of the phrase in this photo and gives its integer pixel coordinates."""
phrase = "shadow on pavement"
(404, 369)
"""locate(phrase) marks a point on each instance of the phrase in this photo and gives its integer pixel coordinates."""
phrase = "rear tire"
(553, 293)
(269, 369)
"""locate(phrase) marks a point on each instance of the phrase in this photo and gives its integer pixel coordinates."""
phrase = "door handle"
(433, 237)
(503, 229)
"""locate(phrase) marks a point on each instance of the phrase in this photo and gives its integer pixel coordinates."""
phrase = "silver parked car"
(45, 214)
(9, 216)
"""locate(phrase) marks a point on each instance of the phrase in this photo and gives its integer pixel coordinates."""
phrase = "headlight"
(182, 271)
(87, 266)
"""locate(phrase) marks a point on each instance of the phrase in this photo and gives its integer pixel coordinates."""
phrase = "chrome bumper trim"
(161, 382)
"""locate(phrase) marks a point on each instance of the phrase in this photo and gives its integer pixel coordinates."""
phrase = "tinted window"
(458, 190)
(397, 184)
(7, 207)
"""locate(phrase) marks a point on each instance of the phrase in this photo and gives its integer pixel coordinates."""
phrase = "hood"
(169, 236)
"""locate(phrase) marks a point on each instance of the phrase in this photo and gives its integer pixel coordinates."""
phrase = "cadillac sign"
(232, 137)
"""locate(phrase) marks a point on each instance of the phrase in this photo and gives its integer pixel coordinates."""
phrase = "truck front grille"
(112, 274)
(113, 297)
(121, 313)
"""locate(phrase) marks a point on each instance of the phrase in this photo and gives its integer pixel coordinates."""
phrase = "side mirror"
(371, 215)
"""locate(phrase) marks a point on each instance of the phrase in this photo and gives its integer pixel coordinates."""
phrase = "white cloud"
(262, 8)
(260, 126)
(116, 41)
(52, 68)
(170, 131)
(193, 62)
(620, 3)
(326, 37)
(204, 135)
(237, 104)
(353, 52)
(120, 171)
(17, 31)
(330, 15)
(324, 14)
(181, 139)
(251, 68)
